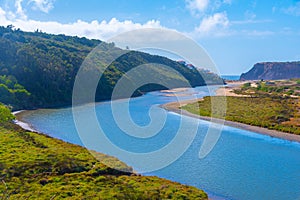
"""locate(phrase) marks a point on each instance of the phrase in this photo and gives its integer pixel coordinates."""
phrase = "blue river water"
(242, 165)
(231, 77)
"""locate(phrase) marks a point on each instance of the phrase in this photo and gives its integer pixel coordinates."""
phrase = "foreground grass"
(273, 112)
(35, 166)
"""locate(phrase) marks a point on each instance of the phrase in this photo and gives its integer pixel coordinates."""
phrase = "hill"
(38, 69)
(273, 71)
(35, 166)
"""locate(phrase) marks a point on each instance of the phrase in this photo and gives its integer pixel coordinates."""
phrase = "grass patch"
(5, 114)
(279, 88)
(274, 112)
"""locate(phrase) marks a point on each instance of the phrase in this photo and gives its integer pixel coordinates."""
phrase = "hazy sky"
(235, 33)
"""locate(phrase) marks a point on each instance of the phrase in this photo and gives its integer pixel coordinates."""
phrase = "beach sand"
(227, 90)
(174, 92)
(19, 121)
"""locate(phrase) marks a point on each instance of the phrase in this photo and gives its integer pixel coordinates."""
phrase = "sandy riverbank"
(227, 90)
(175, 107)
(176, 92)
(22, 124)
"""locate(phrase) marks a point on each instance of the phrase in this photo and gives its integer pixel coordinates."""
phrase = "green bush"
(246, 85)
(5, 114)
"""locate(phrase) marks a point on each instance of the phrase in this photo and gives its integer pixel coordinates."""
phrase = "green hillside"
(38, 69)
(35, 166)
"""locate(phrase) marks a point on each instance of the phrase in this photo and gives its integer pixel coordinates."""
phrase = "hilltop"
(273, 71)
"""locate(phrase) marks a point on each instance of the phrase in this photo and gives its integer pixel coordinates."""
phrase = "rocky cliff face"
(273, 71)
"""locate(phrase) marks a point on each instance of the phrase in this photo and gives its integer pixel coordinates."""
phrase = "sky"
(235, 33)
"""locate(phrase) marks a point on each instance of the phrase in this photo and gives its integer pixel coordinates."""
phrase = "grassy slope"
(35, 166)
(269, 112)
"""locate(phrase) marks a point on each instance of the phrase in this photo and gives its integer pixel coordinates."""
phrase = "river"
(242, 165)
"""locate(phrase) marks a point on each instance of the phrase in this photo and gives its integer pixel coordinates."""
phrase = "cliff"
(273, 71)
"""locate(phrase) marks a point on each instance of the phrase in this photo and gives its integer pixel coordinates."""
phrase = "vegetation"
(273, 112)
(35, 166)
(274, 88)
(39, 69)
(12, 93)
(5, 114)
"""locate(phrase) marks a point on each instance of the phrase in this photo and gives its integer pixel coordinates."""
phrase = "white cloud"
(213, 25)
(258, 33)
(196, 6)
(227, 1)
(293, 10)
(250, 21)
(249, 15)
(2, 13)
(95, 29)
(42, 5)
(19, 9)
